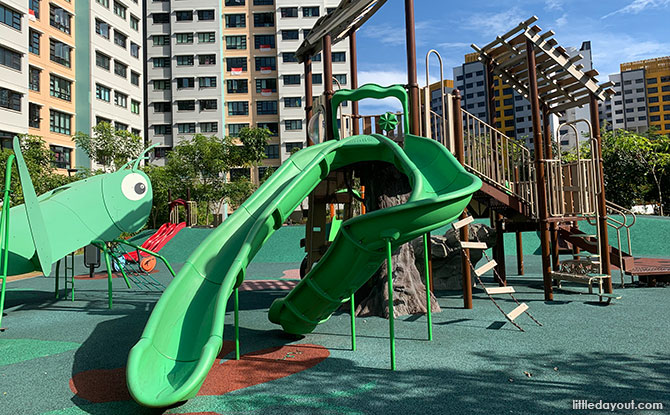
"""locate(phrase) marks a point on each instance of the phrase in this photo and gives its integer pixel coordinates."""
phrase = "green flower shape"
(388, 121)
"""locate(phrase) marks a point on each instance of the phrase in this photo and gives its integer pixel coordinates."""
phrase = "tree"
(39, 160)
(252, 150)
(108, 146)
(161, 182)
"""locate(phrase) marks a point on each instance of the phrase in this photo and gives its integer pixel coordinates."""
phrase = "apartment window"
(120, 69)
(288, 57)
(305, 33)
(291, 79)
(234, 129)
(186, 105)
(235, 20)
(102, 60)
(134, 78)
(59, 122)
(10, 99)
(654, 108)
(134, 23)
(272, 151)
(234, 2)
(238, 108)
(34, 42)
(292, 102)
(102, 92)
(134, 50)
(60, 87)
(293, 124)
(288, 11)
(185, 60)
(237, 86)
(317, 79)
(206, 37)
(264, 19)
(264, 2)
(666, 98)
(264, 41)
(341, 78)
(10, 17)
(293, 146)
(161, 62)
(34, 5)
(268, 85)
(160, 18)
(134, 106)
(206, 14)
(236, 42)
(34, 79)
(120, 99)
(209, 59)
(310, 11)
(629, 101)
(238, 173)
(163, 129)
(273, 127)
(186, 128)
(642, 118)
(34, 118)
(339, 56)
(184, 15)
(266, 63)
(266, 107)
(120, 10)
(61, 156)
(208, 104)
(641, 99)
(207, 81)
(184, 37)
(59, 52)
(652, 90)
(508, 101)
(161, 84)
(209, 127)
(665, 88)
(161, 107)
(317, 57)
(240, 63)
(120, 38)
(185, 83)
(290, 34)
(99, 120)
(161, 40)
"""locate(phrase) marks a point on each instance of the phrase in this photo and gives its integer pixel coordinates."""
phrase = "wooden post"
(308, 97)
(353, 68)
(539, 172)
(519, 253)
(412, 84)
(602, 209)
(464, 232)
(328, 84)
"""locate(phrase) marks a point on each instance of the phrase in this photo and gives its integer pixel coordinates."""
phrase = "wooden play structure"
(523, 190)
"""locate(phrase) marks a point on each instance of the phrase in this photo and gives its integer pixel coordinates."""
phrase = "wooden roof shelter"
(347, 17)
(561, 84)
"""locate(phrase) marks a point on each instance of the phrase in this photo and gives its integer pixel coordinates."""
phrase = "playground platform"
(63, 357)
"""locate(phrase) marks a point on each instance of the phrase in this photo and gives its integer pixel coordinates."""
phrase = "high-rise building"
(14, 71)
(51, 40)
(512, 110)
(109, 66)
(183, 67)
(642, 98)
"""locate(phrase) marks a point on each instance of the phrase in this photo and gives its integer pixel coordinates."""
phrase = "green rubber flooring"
(67, 357)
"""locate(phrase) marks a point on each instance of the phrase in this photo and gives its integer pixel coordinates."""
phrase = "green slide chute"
(184, 333)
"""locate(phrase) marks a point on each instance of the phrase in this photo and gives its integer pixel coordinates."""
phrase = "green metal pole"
(353, 322)
(391, 317)
(109, 278)
(71, 273)
(5, 232)
(427, 268)
(237, 324)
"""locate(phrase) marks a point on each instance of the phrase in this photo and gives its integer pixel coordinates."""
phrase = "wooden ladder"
(521, 308)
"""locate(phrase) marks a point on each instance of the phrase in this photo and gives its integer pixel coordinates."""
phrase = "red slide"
(158, 240)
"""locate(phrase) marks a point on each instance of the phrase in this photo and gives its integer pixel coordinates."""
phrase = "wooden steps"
(521, 308)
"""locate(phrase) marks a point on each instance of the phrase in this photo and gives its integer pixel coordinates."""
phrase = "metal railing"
(369, 124)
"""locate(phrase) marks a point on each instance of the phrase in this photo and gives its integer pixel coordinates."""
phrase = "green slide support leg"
(427, 272)
(389, 273)
(353, 322)
(237, 323)
(109, 278)
(5, 232)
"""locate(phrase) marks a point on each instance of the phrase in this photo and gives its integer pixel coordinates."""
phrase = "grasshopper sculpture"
(93, 210)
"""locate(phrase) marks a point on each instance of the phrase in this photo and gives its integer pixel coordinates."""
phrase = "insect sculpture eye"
(134, 186)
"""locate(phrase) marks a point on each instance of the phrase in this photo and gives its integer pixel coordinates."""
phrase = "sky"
(619, 31)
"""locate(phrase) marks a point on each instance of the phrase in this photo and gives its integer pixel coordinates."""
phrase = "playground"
(563, 304)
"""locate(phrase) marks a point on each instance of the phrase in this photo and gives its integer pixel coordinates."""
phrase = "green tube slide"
(184, 333)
